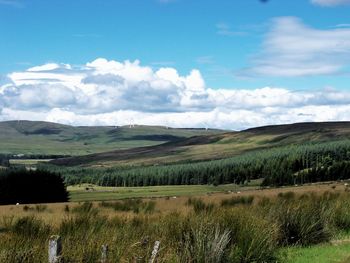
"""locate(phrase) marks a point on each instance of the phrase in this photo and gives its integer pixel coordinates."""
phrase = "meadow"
(90, 192)
(288, 224)
(281, 195)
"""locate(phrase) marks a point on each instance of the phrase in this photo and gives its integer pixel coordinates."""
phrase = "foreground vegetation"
(237, 229)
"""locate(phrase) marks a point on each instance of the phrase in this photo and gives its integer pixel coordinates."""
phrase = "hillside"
(36, 137)
(217, 146)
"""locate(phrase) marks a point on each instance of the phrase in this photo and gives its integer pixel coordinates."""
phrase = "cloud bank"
(108, 92)
(293, 49)
(330, 2)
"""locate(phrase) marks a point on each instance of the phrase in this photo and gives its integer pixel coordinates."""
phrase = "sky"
(180, 63)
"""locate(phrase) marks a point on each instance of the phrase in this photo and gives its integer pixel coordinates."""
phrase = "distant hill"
(217, 146)
(37, 137)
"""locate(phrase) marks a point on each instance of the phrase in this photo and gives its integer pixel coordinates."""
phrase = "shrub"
(341, 214)
(66, 208)
(37, 208)
(30, 227)
(287, 195)
(205, 244)
(243, 200)
(85, 209)
(253, 238)
(135, 205)
(6, 223)
(27, 208)
(40, 208)
(149, 207)
(303, 222)
(264, 201)
(199, 205)
(82, 225)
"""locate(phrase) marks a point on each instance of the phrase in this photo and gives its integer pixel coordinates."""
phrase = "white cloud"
(225, 30)
(293, 49)
(46, 67)
(106, 92)
(330, 2)
(342, 25)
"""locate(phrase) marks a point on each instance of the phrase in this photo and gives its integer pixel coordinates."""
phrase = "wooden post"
(55, 249)
(155, 252)
(104, 253)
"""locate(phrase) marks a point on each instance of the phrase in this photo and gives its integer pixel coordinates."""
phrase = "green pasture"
(324, 253)
(88, 192)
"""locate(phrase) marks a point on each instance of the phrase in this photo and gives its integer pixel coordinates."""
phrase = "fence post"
(104, 253)
(55, 249)
(155, 252)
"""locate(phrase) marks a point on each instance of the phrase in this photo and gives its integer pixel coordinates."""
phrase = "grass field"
(28, 162)
(88, 192)
(169, 198)
(325, 253)
(252, 225)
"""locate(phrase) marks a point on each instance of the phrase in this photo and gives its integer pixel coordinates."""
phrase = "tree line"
(296, 164)
(30, 187)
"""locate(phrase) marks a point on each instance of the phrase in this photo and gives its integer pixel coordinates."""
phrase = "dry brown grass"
(317, 188)
(55, 213)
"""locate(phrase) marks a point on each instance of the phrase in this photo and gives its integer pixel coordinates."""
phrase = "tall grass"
(252, 232)
(135, 205)
(205, 244)
(199, 205)
(241, 200)
(24, 240)
(301, 222)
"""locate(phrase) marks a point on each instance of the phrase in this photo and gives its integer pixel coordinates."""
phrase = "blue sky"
(241, 45)
(180, 33)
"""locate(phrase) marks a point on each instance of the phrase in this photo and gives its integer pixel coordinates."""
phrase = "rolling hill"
(45, 138)
(216, 146)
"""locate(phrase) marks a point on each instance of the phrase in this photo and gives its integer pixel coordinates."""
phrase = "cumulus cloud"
(107, 92)
(330, 2)
(293, 49)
